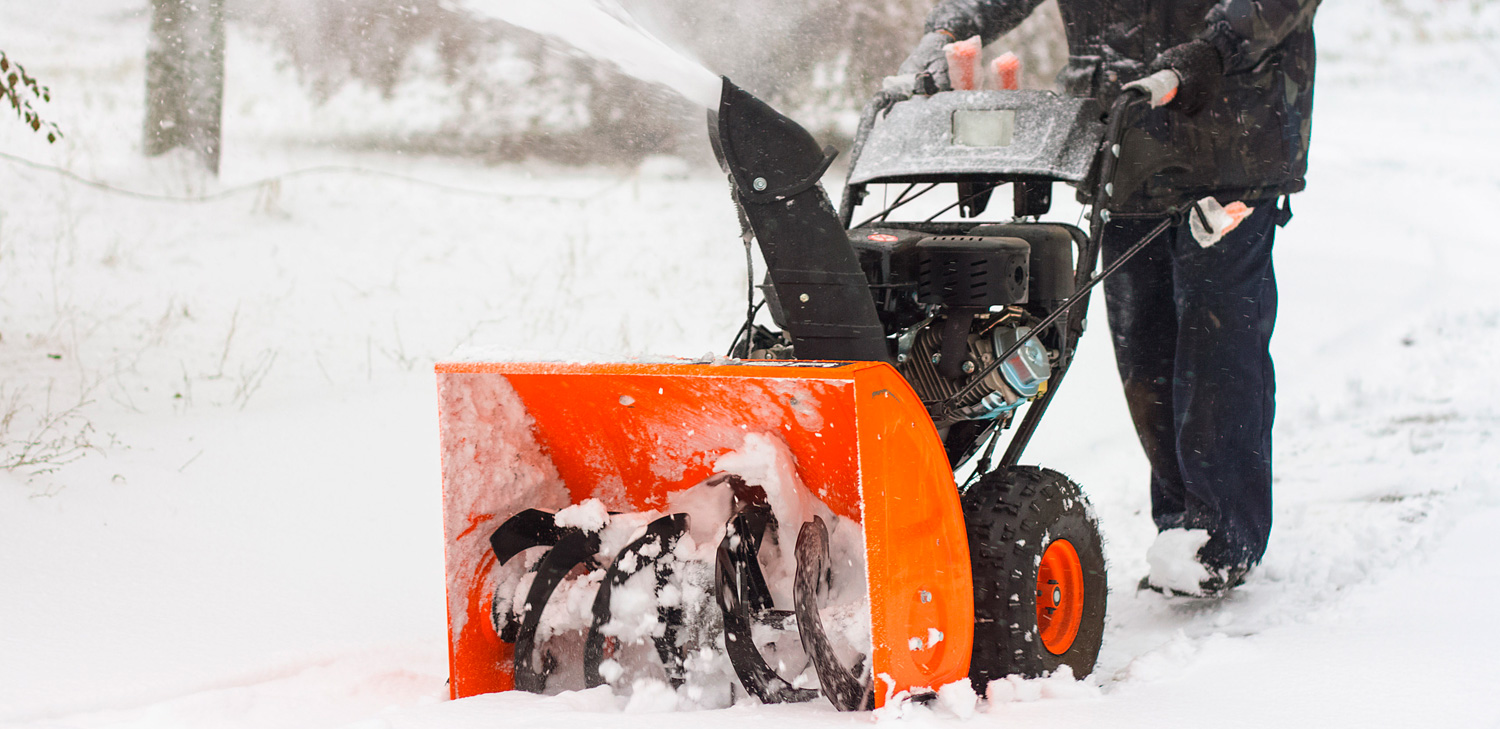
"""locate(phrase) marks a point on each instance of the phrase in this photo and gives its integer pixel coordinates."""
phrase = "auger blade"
(575, 547)
(741, 588)
(527, 529)
(842, 687)
(663, 533)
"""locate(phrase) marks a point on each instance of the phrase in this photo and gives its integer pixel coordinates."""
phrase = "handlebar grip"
(1159, 87)
(903, 85)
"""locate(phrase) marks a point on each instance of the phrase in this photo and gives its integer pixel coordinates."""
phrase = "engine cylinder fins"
(845, 688)
(740, 589)
(922, 369)
(645, 553)
(1017, 381)
(575, 547)
(954, 344)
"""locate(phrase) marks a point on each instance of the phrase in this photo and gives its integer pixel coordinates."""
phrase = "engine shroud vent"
(972, 272)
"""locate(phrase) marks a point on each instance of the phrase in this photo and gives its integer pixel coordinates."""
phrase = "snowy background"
(218, 453)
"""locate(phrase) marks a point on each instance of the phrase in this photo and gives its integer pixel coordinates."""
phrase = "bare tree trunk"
(185, 78)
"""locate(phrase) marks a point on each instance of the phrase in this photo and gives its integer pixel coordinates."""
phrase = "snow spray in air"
(601, 28)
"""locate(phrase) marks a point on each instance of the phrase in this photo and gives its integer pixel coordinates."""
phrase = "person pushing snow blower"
(1191, 316)
(824, 513)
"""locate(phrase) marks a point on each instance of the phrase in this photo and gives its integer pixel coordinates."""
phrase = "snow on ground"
(251, 536)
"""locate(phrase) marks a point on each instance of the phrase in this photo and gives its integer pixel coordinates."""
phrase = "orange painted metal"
(1059, 596)
(543, 435)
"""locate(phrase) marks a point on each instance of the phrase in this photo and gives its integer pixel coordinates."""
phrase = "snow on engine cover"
(638, 438)
(1007, 134)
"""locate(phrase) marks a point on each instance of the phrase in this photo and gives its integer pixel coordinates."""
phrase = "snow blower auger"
(821, 513)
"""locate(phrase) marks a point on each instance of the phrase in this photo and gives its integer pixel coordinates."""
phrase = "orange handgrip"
(963, 63)
(1237, 212)
(1007, 71)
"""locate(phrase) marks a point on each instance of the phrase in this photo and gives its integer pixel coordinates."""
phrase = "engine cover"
(1051, 256)
(972, 272)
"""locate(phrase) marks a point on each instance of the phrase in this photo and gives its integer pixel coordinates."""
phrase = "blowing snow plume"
(602, 29)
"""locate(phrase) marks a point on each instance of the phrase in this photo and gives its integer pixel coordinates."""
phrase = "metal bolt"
(1109, 188)
(968, 367)
(759, 184)
(804, 298)
(937, 357)
(924, 596)
(900, 359)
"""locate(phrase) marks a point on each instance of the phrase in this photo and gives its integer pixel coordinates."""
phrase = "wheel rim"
(1059, 596)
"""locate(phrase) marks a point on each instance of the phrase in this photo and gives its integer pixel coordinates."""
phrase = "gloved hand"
(1199, 69)
(928, 58)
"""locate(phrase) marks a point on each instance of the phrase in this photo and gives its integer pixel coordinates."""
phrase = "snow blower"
(821, 513)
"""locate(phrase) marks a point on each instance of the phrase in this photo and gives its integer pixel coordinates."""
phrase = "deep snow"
(254, 538)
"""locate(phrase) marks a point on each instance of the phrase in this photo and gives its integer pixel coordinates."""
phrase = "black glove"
(1199, 69)
(928, 58)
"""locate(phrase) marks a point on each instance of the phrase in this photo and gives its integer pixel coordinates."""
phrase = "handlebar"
(1161, 86)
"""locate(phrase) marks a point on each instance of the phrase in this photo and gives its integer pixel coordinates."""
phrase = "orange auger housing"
(547, 435)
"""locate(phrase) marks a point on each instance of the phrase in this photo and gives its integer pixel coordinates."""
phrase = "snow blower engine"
(823, 512)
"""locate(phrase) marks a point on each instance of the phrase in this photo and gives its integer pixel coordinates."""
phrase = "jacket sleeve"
(1243, 31)
(988, 19)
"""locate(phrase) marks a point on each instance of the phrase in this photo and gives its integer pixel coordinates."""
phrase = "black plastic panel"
(972, 272)
(1051, 256)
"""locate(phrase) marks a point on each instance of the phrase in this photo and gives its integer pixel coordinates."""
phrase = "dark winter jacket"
(1251, 139)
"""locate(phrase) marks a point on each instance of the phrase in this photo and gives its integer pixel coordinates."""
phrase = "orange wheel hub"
(1059, 596)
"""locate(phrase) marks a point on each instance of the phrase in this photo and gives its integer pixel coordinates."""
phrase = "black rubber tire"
(1012, 515)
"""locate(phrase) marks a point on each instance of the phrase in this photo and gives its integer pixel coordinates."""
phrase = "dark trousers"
(1192, 330)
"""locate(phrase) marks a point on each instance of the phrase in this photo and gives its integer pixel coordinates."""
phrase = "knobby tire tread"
(1009, 514)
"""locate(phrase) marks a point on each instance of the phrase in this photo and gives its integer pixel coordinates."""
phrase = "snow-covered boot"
(1177, 570)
